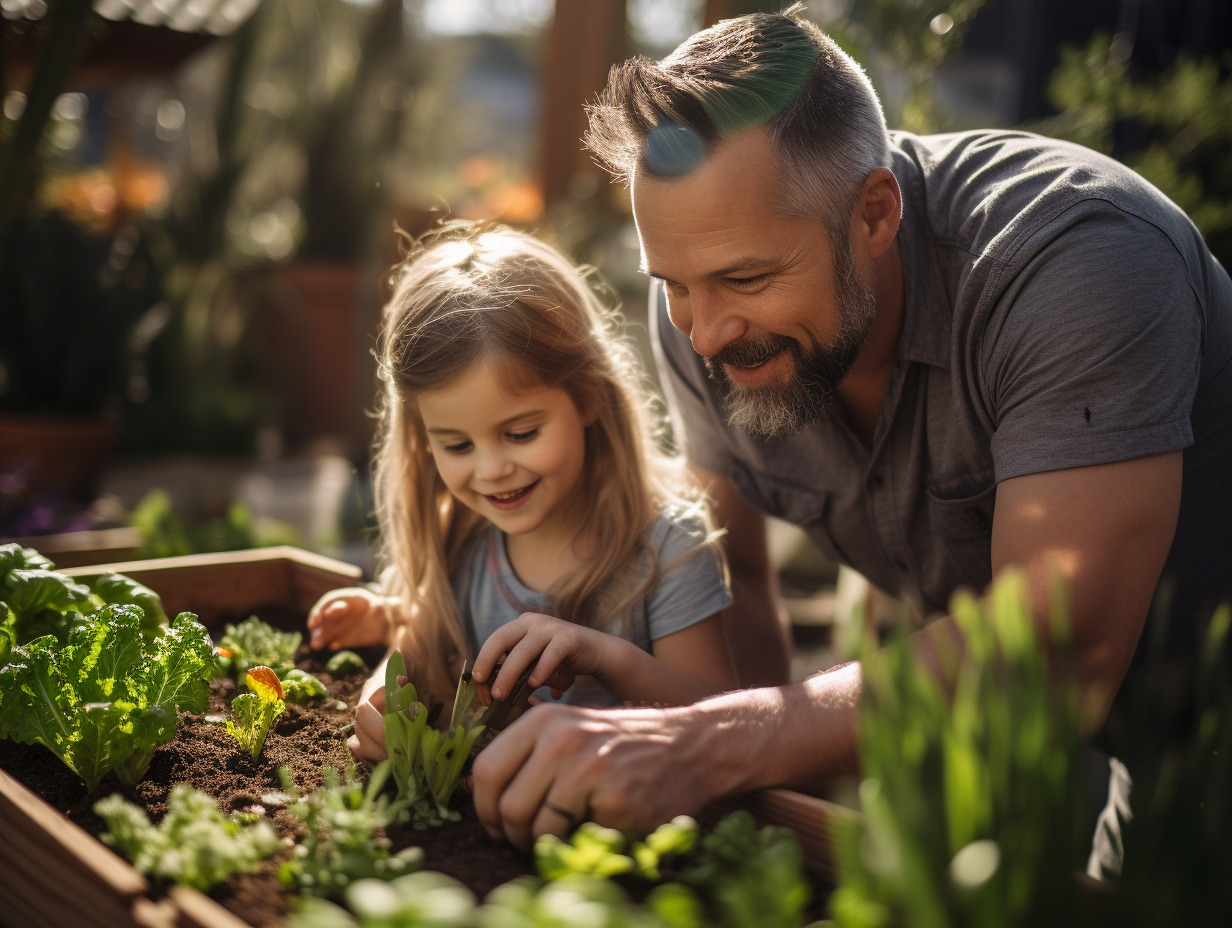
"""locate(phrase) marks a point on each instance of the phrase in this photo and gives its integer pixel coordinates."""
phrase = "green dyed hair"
(772, 69)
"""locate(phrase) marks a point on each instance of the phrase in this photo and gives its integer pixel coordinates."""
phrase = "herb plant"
(108, 697)
(343, 819)
(426, 762)
(195, 844)
(254, 712)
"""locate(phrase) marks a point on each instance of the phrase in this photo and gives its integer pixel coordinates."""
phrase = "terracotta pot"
(45, 454)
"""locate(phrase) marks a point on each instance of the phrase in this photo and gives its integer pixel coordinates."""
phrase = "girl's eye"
(524, 436)
(458, 447)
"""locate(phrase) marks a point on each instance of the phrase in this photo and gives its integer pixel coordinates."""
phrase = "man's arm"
(1106, 529)
(756, 623)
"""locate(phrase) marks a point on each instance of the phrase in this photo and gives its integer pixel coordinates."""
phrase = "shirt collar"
(927, 316)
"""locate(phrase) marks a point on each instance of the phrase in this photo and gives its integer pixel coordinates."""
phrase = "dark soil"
(305, 739)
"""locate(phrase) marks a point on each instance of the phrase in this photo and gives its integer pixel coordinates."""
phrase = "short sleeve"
(691, 586)
(1091, 355)
(698, 430)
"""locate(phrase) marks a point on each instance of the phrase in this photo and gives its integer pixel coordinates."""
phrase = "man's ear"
(879, 208)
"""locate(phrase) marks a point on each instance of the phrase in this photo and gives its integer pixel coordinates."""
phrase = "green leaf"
(116, 589)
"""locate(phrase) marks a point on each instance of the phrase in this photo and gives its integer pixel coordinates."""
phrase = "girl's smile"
(513, 499)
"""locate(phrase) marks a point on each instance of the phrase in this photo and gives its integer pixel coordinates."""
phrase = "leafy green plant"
(426, 762)
(254, 712)
(972, 801)
(583, 897)
(254, 643)
(418, 899)
(343, 819)
(195, 844)
(735, 876)
(42, 601)
(344, 663)
(105, 699)
(591, 849)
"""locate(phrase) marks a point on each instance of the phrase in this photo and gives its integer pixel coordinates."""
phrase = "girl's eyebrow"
(504, 423)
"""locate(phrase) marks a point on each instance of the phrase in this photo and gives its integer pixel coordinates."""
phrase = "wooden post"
(586, 38)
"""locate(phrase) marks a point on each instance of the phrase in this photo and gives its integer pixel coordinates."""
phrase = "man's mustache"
(750, 352)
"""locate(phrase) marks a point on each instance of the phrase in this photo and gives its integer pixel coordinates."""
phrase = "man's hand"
(558, 766)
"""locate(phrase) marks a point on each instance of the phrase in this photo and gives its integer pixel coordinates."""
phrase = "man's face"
(779, 316)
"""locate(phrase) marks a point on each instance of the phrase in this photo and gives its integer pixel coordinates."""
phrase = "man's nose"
(707, 319)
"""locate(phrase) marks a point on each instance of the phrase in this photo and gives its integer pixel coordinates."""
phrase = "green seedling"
(254, 712)
(426, 762)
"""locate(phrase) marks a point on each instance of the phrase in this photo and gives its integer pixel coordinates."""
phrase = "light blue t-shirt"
(688, 591)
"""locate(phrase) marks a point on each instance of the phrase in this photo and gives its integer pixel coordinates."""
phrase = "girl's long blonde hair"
(469, 292)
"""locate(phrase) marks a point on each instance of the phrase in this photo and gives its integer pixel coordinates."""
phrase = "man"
(942, 356)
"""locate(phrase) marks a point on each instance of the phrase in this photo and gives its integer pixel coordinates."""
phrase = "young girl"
(525, 508)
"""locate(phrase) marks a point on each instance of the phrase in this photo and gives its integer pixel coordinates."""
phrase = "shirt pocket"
(963, 514)
(793, 502)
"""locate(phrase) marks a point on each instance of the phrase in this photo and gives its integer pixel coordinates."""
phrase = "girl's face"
(514, 458)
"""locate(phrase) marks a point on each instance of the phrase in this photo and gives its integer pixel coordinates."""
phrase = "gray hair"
(772, 69)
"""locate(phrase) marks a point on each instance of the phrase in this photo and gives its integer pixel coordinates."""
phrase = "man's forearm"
(799, 736)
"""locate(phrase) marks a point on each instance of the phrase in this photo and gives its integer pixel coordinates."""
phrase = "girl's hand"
(560, 651)
(367, 742)
(349, 618)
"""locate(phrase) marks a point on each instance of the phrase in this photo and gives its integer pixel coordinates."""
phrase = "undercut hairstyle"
(774, 69)
(469, 293)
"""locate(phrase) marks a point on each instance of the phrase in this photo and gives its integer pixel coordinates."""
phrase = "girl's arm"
(686, 666)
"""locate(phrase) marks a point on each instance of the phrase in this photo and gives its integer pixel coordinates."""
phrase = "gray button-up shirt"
(1058, 312)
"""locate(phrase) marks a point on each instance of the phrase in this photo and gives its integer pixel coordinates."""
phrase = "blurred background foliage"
(197, 208)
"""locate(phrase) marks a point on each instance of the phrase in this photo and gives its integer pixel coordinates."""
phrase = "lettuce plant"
(426, 762)
(38, 600)
(195, 844)
(254, 712)
(105, 699)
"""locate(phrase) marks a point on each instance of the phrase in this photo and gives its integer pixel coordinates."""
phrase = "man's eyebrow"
(752, 262)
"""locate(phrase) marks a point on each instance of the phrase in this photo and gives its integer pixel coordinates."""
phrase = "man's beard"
(776, 411)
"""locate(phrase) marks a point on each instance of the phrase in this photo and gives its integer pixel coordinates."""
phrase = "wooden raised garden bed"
(53, 873)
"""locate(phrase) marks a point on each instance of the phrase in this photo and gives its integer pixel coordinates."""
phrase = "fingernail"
(498, 693)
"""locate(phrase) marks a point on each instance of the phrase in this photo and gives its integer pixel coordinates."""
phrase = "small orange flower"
(263, 678)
